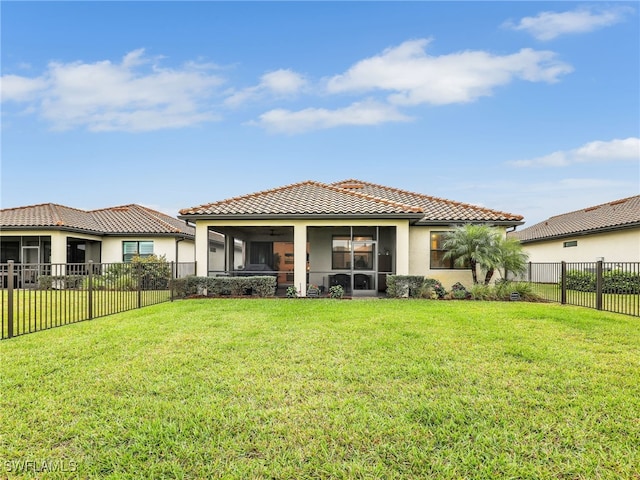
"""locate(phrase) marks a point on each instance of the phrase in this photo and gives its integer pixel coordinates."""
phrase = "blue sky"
(527, 107)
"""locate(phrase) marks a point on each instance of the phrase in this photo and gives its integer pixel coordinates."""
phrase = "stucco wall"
(620, 246)
(112, 248)
(420, 259)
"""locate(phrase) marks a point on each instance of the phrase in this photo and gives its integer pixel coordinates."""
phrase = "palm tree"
(511, 257)
(473, 245)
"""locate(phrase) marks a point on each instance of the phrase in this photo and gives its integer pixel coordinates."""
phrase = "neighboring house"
(55, 234)
(351, 233)
(609, 232)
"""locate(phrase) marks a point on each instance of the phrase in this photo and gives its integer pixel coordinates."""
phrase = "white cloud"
(627, 149)
(549, 25)
(19, 89)
(128, 96)
(415, 77)
(368, 112)
(281, 83)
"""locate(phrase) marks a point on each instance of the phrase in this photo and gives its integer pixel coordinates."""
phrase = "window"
(437, 253)
(341, 252)
(9, 250)
(132, 249)
(572, 243)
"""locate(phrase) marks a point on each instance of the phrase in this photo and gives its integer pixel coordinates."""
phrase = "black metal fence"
(608, 286)
(42, 296)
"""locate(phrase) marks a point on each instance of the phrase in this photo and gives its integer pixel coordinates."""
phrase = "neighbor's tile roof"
(139, 219)
(125, 219)
(617, 214)
(349, 197)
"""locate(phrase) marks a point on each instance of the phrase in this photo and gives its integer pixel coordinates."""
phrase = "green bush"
(484, 292)
(399, 286)
(459, 292)
(502, 291)
(433, 289)
(185, 287)
(336, 291)
(615, 281)
(581, 281)
(523, 289)
(58, 282)
(260, 286)
(263, 286)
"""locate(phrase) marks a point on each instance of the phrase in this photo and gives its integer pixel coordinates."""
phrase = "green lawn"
(379, 389)
(628, 304)
(35, 310)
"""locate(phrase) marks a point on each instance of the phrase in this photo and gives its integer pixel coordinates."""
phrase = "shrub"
(399, 286)
(263, 286)
(524, 289)
(615, 281)
(459, 292)
(336, 291)
(581, 281)
(484, 292)
(502, 291)
(433, 289)
(292, 292)
(59, 282)
(187, 286)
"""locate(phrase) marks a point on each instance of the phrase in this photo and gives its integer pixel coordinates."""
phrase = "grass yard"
(628, 304)
(294, 389)
(35, 310)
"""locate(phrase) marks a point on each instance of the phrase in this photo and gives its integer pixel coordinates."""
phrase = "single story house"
(608, 232)
(350, 233)
(55, 234)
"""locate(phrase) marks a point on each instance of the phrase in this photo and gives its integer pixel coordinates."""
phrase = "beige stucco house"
(351, 233)
(609, 232)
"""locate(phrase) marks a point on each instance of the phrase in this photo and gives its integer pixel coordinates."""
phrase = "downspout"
(177, 249)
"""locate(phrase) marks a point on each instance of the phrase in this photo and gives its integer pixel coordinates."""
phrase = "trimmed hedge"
(60, 282)
(259, 286)
(399, 286)
(615, 281)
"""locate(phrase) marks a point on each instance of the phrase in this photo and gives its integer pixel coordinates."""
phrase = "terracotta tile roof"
(305, 198)
(434, 208)
(349, 197)
(125, 219)
(138, 219)
(608, 216)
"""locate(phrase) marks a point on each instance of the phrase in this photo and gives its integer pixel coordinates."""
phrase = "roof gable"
(125, 219)
(617, 214)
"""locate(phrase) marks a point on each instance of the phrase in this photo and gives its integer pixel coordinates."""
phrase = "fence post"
(90, 290)
(563, 282)
(599, 285)
(529, 272)
(139, 275)
(174, 274)
(10, 286)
